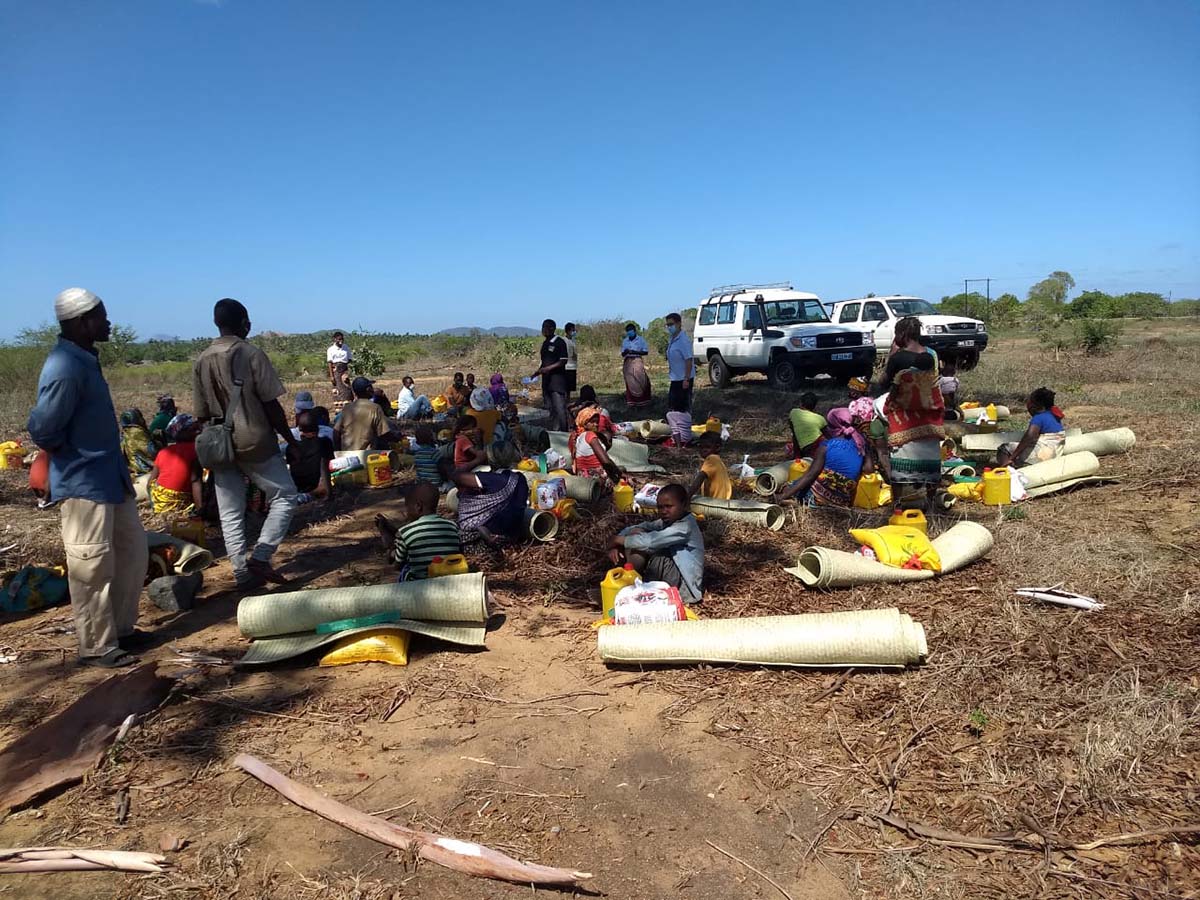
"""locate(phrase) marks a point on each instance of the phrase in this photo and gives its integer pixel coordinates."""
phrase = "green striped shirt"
(418, 542)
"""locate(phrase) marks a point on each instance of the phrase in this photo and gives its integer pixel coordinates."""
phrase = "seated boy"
(426, 456)
(670, 549)
(424, 534)
(308, 459)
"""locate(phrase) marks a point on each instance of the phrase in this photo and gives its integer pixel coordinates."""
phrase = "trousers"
(274, 479)
(556, 402)
(107, 559)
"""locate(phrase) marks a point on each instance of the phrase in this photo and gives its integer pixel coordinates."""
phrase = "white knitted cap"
(74, 302)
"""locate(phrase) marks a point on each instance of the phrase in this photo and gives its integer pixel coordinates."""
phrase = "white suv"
(773, 329)
(953, 337)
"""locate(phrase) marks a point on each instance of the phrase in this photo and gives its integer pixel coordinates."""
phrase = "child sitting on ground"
(469, 451)
(1044, 437)
(587, 397)
(308, 459)
(948, 385)
(670, 549)
(426, 456)
(713, 478)
(175, 484)
(589, 454)
(423, 535)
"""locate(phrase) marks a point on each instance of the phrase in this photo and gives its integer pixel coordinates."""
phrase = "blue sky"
(413, 166)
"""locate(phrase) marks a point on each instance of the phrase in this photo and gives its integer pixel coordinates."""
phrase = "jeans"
(418, 408)
(556, 402)
(107, 557)
(274, 479)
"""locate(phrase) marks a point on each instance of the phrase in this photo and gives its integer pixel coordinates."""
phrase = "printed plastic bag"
(549, 493)
(647, 602)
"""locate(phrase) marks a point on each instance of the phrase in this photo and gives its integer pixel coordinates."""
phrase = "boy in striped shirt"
(424, 535)
(426, 456)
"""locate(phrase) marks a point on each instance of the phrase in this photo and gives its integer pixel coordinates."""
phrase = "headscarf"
(133, 418)
(73, 303)
(586, 415)
(860, 384)
(481, 399)
(862, 410)
(499, 390)
(806, 427)
(165, 402)
(497, 378)
(841, 424)
(178, 424)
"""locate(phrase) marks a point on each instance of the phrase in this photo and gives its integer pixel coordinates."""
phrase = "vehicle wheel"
(967, 360)
(718, 371)
(783, 375)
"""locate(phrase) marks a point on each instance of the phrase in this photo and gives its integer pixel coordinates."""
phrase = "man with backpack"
(235, 383)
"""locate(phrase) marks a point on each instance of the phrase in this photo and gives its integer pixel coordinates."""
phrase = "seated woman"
(469, 450)
(669, 549)
(136, 444)
(589, 455)
(1043, 439)
(837, 462)
(499, 391)
(491, 506)
(175, 483)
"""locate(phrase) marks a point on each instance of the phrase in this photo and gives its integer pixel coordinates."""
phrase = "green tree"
(1052, 291)
(120, 347)
(1006, 311)
(1092, 304)
(1143, 304)
(974, 304)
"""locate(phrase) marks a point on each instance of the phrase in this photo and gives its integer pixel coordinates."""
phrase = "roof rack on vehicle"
(741, 288)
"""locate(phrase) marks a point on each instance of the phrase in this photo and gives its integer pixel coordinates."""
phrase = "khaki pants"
(106, 567)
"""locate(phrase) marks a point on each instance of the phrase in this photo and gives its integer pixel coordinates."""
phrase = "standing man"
(680, 366)
(554, 375)
(337, 354)
(572, 360)
(258, 424)
(75, 423)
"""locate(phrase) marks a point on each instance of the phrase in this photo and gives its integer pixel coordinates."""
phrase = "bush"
(366, 360)
(1096, 336)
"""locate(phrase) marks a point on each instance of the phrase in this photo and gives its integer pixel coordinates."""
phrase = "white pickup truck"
(774, 329)
(952, 337)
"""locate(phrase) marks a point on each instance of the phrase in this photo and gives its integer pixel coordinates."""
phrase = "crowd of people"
(237, 450)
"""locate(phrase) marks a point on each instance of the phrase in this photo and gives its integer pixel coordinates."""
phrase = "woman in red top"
(468, 445)
(175, 484)
(588, 453)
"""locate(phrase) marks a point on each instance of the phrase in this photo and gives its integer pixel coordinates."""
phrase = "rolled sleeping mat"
(625, 454)
(649, 429)
(579, 488)
(191, 558)
(452, 500)
(768, 482)
(964, 470)
(872, 637)
(1101, 443)
(971, 415)
(1067, 467)
(768, 515)
(821, 567)
(541, 524)
(536, 437)
(990, 443)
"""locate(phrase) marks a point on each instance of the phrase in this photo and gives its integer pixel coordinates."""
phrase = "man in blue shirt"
(75, 423)
(680, 369)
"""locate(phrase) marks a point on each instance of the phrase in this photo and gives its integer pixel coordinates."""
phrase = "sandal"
(115, 658)
(262, 569)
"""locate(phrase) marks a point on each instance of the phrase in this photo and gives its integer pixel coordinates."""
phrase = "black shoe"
(115, 658)
(139, 640)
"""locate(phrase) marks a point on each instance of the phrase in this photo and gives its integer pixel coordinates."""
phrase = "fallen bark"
(462, 856)
(62, 749)
(66, 859)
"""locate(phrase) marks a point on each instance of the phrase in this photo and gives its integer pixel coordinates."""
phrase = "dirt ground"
(696, 782)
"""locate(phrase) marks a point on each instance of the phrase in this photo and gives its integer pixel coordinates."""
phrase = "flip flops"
(115, 658)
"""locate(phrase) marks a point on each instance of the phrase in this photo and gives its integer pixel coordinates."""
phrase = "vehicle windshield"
(912, 307)
(790, 312)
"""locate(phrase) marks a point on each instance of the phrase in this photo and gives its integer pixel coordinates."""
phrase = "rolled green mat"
(872, 637)
(1101, 443)
(769, 481)
(990, 443)
(191, 558)
(962, 544)
(768, 515)
(457, 599)
(651, 429)
(1067, 467)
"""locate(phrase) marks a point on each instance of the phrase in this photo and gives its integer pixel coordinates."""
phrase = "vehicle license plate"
(837, 357)
(966, 343)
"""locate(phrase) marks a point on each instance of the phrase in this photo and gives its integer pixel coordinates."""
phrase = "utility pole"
(987, 309)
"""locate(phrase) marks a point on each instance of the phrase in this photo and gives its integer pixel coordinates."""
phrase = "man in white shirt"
(680, 370)
(410, 405)
(338, 353)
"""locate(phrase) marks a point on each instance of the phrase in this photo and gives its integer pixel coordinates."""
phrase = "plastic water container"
(997, 487)
(866, 495)
(912, 518)
(12, 455)
(454, 564)
(379, 470)
(190, 530)
(439, 403)
(612, 584)
(712, 425)
(623, 497)
(797, 468)
(564, 510)
(991, 412)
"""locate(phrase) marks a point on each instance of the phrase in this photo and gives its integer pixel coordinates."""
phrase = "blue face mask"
(672, 329)
(630, 333)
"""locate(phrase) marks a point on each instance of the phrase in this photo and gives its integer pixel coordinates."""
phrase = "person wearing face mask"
(633, 352)
(572, 367)
(680, 369)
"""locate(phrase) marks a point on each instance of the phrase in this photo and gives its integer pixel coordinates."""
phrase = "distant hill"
(501, 331)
